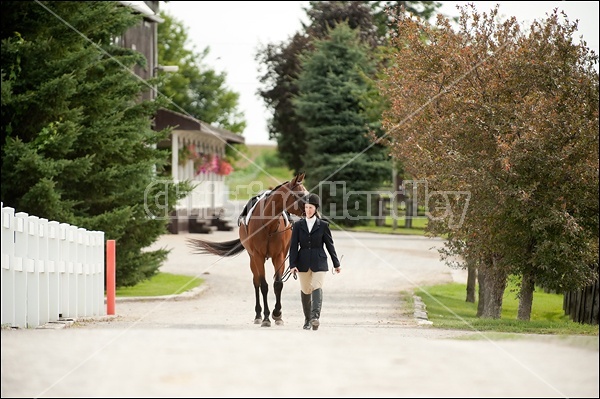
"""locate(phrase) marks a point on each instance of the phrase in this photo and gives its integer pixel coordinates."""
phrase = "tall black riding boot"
(306, 302)
(315, 311)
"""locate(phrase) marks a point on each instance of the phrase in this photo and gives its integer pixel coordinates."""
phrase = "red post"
(111, 273)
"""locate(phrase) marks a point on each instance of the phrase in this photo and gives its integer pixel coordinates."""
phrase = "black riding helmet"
(313, 199)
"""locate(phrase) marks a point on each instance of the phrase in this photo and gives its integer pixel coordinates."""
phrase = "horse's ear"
(299, 177)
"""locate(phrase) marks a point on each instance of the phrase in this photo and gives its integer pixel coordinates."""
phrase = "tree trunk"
(492, 281)
(480, 300)
(397, 180)
(526, 297)
(471, 280)
(409, 210)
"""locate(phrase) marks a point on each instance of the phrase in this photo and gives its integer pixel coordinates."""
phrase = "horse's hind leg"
(260, 285)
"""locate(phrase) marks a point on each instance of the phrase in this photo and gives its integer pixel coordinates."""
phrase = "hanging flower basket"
(209, 163)
(187, 153)
(202, 164)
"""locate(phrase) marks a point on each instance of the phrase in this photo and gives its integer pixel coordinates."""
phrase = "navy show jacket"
(306, 249)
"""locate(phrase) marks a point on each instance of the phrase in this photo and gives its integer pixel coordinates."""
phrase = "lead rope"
(286, 275)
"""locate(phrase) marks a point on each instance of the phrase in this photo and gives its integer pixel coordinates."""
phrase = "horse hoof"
(257, 321)
(278, 322)
(266, 323)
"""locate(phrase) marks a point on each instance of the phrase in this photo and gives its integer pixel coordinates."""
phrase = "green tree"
(279, 87)
(281, 61)
(77, 145)
(334, 88)
(511, 118)
(196, 89)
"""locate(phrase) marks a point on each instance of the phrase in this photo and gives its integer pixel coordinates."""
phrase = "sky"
(234, 30)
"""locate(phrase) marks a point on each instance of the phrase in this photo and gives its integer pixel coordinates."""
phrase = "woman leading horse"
(264, 233)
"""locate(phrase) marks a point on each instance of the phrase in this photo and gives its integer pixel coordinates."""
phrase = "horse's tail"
(227, 248)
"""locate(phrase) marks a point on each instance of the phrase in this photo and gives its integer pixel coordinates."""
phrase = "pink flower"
(212, 163)
(225, 168)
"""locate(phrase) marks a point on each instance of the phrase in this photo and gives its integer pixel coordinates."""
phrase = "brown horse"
(264, 233)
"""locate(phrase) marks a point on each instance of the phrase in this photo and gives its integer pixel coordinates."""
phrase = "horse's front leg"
(257, 307)
(279, 265)
(277, 314)
(264, 288)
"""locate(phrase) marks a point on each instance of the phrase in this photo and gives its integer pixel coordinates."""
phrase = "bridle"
(298, 197)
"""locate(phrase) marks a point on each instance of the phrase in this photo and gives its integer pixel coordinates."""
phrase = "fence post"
(97, 269)
(88, 273)
(80, 272)
(8, 271)
(110, 276)
(33, 273)
(43, 262)
(63, 270)
(53, 270)
(42, 266)
(72, 270)
(21, 267)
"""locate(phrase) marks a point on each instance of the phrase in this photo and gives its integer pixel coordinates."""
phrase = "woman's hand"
(338, 269)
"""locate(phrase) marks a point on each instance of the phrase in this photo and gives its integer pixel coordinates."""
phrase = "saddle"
(245, 215)
(249, 207)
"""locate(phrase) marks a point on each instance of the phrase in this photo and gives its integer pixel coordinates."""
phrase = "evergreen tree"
(282, 66)
(334, 88)
(77, 144)
(281, 61)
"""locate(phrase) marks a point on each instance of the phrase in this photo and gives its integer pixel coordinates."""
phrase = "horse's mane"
(279, 186)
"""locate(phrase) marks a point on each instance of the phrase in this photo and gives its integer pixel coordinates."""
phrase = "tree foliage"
(77, 145)
(281, 65)
(334, 87)
(511, 118)
(281, 61)
(196, 89)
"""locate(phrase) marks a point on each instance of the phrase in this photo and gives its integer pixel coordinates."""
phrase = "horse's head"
(293, 191)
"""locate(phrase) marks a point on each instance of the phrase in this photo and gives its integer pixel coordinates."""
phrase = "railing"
(582, 305)
(50, 271)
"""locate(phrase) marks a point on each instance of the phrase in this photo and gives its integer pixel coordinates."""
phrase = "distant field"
(262, 170)
(253, 152)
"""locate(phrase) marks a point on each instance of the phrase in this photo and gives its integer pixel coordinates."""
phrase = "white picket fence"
(50, 271)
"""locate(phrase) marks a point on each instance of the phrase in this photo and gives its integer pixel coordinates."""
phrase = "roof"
(142, 8)
(166, 118)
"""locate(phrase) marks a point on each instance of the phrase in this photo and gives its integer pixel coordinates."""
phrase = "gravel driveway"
(371, 343)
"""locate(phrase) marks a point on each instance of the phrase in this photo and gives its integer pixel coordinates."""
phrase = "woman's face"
(309, 210)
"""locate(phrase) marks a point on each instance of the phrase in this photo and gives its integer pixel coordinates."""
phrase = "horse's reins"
(284, 230)
(286, 275)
